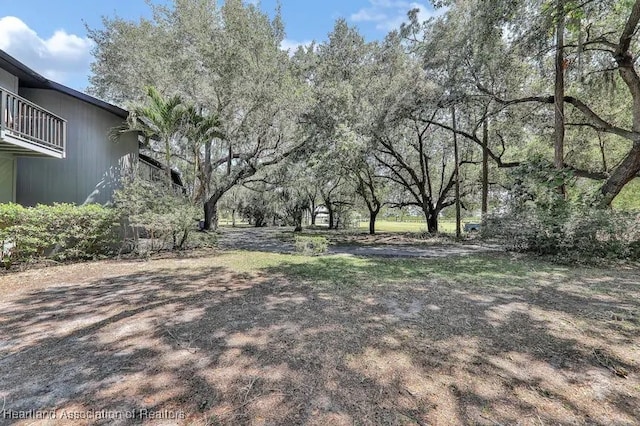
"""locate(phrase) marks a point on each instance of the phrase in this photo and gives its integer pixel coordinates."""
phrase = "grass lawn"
(258, 338)
(391, 226)
(445, 226)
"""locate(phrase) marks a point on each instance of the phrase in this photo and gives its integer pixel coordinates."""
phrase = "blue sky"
(50, 35)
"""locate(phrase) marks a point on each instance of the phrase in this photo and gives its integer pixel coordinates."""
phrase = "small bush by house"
(157, 218)
(60, 232)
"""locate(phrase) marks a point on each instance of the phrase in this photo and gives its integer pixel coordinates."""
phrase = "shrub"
(202, 240)
(580, 234)
(162, 217)
(60, 232)
(346, 219)
(539, 219)
(312, 246)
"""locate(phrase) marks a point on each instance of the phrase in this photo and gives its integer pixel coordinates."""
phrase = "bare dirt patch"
(358, 243)
(255, 338)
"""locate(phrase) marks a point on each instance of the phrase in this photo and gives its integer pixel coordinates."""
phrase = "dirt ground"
(358, 243)
(203, 341)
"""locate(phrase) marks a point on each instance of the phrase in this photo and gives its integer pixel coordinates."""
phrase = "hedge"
(60, 232)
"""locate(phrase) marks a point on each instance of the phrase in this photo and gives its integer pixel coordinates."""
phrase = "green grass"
(345, 271)
(445, 226)
(389, 226)
(496, 271)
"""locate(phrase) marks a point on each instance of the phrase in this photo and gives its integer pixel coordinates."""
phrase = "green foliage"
(538, 219)
(629, 197)
(311, 245)
(162, 215)
(260, 206)
(202, 240)
(375, 118)
(60, 232)
(346, 218)
(573, 233)
(230, 77)
(538, 181)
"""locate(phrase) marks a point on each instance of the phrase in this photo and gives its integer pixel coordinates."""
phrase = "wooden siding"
(8, 81)
(93, 165)
(7, 179)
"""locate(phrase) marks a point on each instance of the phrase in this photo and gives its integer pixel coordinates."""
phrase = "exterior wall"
(7, 179)
(8, 81)
(93, 165)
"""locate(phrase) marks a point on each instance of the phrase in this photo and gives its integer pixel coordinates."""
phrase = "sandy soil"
(188, 339)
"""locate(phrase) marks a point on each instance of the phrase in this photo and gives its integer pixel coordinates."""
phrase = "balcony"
(153, 171)
(29, 130)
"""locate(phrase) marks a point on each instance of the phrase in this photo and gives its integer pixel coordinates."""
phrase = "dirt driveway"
(262, 339)
(280, 240)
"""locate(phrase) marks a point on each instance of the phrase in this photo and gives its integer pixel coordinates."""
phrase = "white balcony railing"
(27, 122)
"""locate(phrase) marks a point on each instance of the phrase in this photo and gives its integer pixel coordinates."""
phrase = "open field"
(265, 338)
(391, 226)
(444, 226)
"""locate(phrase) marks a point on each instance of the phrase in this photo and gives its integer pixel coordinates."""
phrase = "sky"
(50, 36)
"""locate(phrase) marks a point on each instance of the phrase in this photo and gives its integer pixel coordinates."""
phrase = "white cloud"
(59, 57)
(291, 46)
(388, 15)
(367, 15)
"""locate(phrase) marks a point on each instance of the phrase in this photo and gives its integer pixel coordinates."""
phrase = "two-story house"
(55, 144)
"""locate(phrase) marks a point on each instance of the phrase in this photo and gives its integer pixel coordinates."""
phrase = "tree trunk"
(373, 214)
(630, 166)
(312, 211)
(456, 173)
(559, 91)
(211, 213)
(183, 239)
(431, 216)
(331, 216)
(432, 222)
(297, 217)
(621, 175)
(485, 169)
(233, 218)
(202, 180)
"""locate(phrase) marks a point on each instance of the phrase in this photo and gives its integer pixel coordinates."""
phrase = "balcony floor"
(15, 145)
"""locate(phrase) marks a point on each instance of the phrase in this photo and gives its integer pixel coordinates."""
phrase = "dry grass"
(256, 338)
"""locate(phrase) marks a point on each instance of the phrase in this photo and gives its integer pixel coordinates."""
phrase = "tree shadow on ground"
(337, 340)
